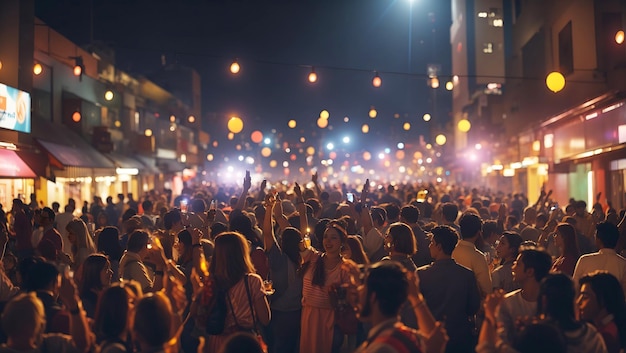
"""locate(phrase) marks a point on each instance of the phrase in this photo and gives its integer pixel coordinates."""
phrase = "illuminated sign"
(14, 109)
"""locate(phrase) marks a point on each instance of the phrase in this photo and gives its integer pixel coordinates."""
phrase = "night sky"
(276, 42)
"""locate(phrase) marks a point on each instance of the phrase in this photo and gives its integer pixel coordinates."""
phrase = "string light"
(234, 67)
(312, 75)
(37, 69)
(377, 81)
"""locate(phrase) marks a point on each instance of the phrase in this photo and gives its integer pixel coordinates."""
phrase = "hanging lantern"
(235, 125)
(555, 81)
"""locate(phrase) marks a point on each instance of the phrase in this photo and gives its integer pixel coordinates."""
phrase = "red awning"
(12, 166)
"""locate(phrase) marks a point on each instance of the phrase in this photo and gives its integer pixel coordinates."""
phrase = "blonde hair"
(83, 238)
(24, 315)
(231, 259)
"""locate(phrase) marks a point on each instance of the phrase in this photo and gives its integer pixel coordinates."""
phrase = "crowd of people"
(316, 268)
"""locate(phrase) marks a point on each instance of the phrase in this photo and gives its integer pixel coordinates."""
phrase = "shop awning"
(170, 165)
(122, 161)
(12, 166)
(86, 156)
(149, 165)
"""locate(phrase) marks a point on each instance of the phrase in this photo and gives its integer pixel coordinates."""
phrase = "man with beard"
(386, 287)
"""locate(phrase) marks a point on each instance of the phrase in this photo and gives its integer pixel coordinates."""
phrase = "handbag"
(345, 315)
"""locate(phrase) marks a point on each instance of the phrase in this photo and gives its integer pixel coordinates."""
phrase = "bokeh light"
(76, 117)
(256, 136)
(148, 132)
(234, 67)
(324, 114)
(365, 128)
(235, 125)
(555, 81)
(266, 152)
(440, 139)
(464, 125)
(37, 69)
(619, 37)
(292, 124)
(406, 126)
(373, 113)
(322, 123)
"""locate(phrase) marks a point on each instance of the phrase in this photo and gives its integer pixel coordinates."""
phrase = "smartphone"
(350, 197)
(213, 205)
(183, 206)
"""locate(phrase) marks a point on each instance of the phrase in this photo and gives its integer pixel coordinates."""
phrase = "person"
(51, 244)
(354, 251)
(565, 240)
(606, 258)
(132, 266)
(401, 245)
(386, 286)
(231, 270)
(530, 267)
(556, 305)
(62, 219)
(373, 222)
(507, 250)
(410, 215)
(82, 244)
(601, 302)
(467, 255)
(323, 271)
(24, 319)
(96, 277)
(112, 320)
(22, 230)
(152, 322)
(241, 342)
(450, 290)
(109, 245)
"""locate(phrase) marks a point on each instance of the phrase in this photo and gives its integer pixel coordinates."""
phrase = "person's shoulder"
(57, 342)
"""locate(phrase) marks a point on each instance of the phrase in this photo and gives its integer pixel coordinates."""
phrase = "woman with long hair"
(601, 302)
(286, 274)
(354, 251)
(111, 324)
(109, 245)
(82, 244)
(506, 250)
(96, 276)
(400, 243)
(555, 305)
(231, 270)
(565, 240)
(323, 272)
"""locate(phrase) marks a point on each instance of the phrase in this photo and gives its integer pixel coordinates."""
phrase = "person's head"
(334, 238)
(443, 242)
(531, 264)
(565, 239)
(471, 225)
(138, 242)
(183, 245)
(217, 228)
(198, 205)
(530, 215)
(601, 294)
(490, 231)
(401, 239)
(241, 223)
(241, 342)
(409, 214)
(542, 220)
(290, 245)
(78, 235)
(40, 275)
(540, 338)
(97, 274)
(354, 251)
(172, 218)
(580, 207)
(384, 291)
(46, 217)
(508, 246)
(101, 220)
(393, 212)
(231, 258)
(56, 206)
(379, 216)
(606, 235)
(556, 300)
(113, 310)
(147, 206)
(450, 212)
(152, 322)
(109, 244)
(24, 318)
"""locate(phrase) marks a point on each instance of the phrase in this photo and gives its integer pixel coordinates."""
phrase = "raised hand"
(247, 181)
(297, 190)
(314, 178)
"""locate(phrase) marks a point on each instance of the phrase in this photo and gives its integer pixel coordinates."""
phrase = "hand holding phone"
(350, 197)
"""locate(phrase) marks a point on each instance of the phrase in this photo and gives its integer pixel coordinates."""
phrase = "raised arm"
(278, 215)
(261, 195)
(199, 263)
(79, 328)
(314, 179)
(366, 216)
(268, 227)
(301, 207)
(247, 183)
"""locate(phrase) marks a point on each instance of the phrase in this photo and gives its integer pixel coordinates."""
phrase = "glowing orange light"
(256, 136)
(377, 81)
(37, 69)
(234, 67)
(78, 70)
(76, 116)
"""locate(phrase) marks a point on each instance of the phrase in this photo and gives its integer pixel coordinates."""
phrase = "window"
(488, 48)
(497, 22)
(482, 14)
(566, 50)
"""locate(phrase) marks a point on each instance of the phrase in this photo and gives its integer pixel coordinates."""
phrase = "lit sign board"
(14, 109)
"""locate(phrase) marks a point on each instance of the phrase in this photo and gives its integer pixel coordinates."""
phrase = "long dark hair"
(93, 265)
(570, 242)
(557, 291)
(319, 273)
(290, 246)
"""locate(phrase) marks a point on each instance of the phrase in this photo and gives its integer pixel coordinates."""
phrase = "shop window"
(566, 50)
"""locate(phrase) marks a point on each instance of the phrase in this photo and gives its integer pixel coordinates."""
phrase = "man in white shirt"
(606, 258)
(467, 255)
(530, 267)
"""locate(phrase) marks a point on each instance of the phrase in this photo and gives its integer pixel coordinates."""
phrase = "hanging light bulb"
(234, 67)
(312, 75)
(377, 81)
(434, 82)
(37, 69)
(108, 95)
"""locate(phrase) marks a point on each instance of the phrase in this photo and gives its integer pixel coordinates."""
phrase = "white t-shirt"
(513, 307)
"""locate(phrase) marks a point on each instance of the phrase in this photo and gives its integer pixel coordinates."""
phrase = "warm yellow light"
(292, 124)
(209, 157)
(256, 136)
(426, 117)
(440, 139)
(234, 67)
(191, 119)
(172, 119)
(76, 117)
(536, 146)
(302, 139)
(266, 152)
(0, 64)
(367, 156)
(417, 155)
(37, 69)
(429, 146)
(148, 132)
(273, 164)
(555, 81)
(365, 128)
(619, 37)
(406, 126)
(377, 81)
(310, 150)
(324, 114)
(434, 82)
(231, 136)
(464, 125)
(119, 123)
(108, 95)
(322, 123)
(449, 85)
(312, 76)
(373, 113)
(78, 70)
(235, 124)
(215, 143)
(400, 154)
